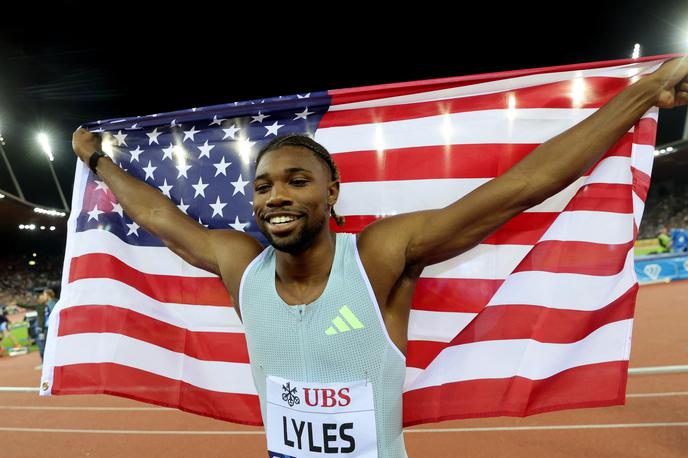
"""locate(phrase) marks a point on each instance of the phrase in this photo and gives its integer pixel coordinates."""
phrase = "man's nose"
(278, 196)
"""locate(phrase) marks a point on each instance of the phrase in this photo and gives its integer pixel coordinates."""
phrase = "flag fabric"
(537, 317)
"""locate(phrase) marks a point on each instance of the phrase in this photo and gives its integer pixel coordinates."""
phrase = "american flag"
(537, 317)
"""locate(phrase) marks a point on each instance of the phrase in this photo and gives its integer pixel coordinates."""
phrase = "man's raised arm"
(158, 215)
(428, 237)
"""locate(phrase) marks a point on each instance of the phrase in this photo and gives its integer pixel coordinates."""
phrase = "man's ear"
(333, 193)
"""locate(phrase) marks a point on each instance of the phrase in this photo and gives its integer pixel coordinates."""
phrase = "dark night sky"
(70, 63)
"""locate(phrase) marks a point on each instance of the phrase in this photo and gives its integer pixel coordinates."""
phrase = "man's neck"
(311, 265)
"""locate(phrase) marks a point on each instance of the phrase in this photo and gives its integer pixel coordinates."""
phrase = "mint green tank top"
(339, 337)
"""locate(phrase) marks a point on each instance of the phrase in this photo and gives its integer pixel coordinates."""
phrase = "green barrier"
(647, 246)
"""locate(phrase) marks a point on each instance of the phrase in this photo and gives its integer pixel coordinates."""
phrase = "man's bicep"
(437, 235)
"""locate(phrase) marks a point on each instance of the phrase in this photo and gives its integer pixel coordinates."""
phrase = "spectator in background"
(664, 240)
(4, 329)
(45, 305)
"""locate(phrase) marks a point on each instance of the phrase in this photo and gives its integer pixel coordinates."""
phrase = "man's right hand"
(85, 143)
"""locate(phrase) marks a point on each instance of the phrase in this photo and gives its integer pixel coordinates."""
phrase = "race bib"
(320, 419)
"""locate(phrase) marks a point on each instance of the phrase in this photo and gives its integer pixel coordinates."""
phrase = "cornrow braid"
(307, 142)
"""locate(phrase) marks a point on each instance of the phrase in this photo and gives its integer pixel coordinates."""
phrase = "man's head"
(46, 295)
(297, 180)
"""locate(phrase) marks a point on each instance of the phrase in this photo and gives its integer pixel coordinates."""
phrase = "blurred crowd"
(20, 280)
(666, 205)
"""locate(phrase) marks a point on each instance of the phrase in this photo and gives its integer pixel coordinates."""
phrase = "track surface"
(653, 423)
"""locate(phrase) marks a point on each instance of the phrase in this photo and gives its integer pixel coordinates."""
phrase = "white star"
(217, 121)
(253, 212)
(116, 207)
(303, 115)
(149, 171)
(133, 228)
(93, 214)
(200, 188)
(239, 185)
(121, 166)
(273, 128)
(305, 96)
(174, 123)
(217, 207)
(153, 136)
(167, 152)
(135, 153)
(181, 205)
(231, 132)
(120, 138)
(165, 188)
(98, 130)
(238, 225)
(259, 118)
(134, 126)
(201, 222)
(190, 134)
(222, 167)
(182, 169)
(205, 150)
(101, 185)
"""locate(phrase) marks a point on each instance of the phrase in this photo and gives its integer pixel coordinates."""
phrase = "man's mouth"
(282, 224)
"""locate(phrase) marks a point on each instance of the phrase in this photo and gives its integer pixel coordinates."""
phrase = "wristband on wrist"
(93, 160)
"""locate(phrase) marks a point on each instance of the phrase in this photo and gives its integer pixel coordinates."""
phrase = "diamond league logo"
(652, 270)
(289, 395)
(685, 265)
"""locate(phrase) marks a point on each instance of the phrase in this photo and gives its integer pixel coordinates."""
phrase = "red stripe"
(641, 183)
(575, 258)
(645, 132)
(446, 161)
(124, 381)
(340, 96)
(527, 322)
(453, 294)
(593, 385)
(598, 90)
(604, 197)
(163, 288)
(523, 229)
(208, 346)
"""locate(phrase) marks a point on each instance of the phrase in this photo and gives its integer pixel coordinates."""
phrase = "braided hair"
(307, 142)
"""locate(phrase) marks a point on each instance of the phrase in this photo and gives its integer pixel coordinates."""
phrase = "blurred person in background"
(44, 306)
(664, 240)
(4, 330)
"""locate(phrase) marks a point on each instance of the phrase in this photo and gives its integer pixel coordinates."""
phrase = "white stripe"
(531, 126)
(224, 377)
(643, 158)
(591, 226)
(151, 260)
(385, 198)
(105, 291)
(437, 326)
(483, 261)
(620, 71)
(565, 291)
(523, 357)
(673, 424)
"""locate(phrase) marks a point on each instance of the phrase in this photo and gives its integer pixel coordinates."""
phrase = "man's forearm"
(561, 160)
(138, 199)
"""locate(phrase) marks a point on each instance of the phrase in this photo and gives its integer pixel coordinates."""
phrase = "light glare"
(45, 144)
(636, 51)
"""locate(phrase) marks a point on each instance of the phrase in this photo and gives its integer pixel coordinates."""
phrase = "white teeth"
(281, 219)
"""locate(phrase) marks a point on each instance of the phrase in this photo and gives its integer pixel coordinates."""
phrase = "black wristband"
(93, 160)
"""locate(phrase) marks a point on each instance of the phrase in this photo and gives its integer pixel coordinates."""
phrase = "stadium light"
(636, 51)
(45, 144)
(52, 228)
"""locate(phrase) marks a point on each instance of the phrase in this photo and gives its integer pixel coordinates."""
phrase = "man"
(664, 240)
(45, 305)
(326, 314)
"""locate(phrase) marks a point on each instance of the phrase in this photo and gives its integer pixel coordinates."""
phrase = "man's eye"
(299, 182)
(262, 188)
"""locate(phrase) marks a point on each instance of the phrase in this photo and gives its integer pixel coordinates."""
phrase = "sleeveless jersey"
(339, 337)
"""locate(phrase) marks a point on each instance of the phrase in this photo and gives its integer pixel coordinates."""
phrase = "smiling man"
(326, 314)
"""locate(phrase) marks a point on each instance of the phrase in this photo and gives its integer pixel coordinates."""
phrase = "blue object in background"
(679, 240)
(661, 267)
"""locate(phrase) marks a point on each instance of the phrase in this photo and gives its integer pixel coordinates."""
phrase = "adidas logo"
(344, 324)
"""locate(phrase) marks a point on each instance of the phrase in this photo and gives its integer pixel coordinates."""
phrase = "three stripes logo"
(344, 322)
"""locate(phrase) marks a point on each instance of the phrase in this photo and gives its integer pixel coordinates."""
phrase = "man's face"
(290, 197)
